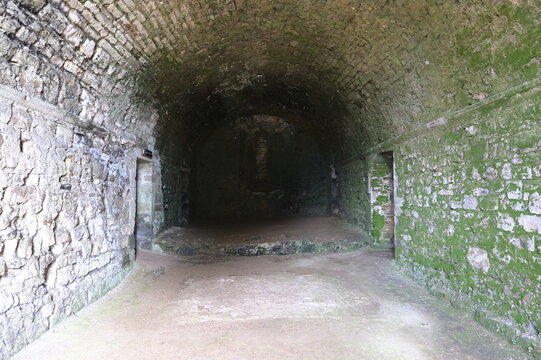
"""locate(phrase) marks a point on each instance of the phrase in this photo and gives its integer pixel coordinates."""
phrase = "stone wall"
(354, 195)
(469, 217)
(70, 134)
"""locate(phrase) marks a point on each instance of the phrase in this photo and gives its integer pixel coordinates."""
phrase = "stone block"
(478, 259)
(33, 5)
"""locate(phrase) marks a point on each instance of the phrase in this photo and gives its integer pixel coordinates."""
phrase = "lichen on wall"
(382, 220)
(469, 221)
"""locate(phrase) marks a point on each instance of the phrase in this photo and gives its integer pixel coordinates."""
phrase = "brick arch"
(394, 65)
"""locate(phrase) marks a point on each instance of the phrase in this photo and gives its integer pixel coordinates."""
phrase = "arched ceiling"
(358, 71)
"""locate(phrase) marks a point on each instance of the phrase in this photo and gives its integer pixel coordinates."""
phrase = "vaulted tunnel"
(415, 122)
(304, 113)
(356, 75)
(259, 167)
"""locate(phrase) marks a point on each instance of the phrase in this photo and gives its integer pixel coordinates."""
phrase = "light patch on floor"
(252, 297)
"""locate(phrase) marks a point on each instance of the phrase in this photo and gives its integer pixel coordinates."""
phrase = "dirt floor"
(351, 305)
(271, 236)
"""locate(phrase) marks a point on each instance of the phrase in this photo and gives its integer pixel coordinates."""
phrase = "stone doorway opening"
(143, 211)
(382, 198)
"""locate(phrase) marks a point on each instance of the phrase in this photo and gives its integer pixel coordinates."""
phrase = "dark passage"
(260, 185)
(259, 167)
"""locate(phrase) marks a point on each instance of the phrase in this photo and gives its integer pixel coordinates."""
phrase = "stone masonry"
(90, 87)
(69, 138)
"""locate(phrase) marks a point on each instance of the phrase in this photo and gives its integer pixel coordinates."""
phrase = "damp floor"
(350, 305)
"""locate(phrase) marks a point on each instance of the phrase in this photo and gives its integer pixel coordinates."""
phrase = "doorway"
(144, 202)
(382, 188)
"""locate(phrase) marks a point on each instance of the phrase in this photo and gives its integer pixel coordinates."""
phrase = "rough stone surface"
(451, 87)
(486, 248)
(65, 199)
(382, 201)
(478, 259)
(68, 143)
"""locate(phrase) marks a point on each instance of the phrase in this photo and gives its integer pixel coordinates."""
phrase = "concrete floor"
(352, 305)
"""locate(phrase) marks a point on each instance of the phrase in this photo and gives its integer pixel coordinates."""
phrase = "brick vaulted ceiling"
(354, 72)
